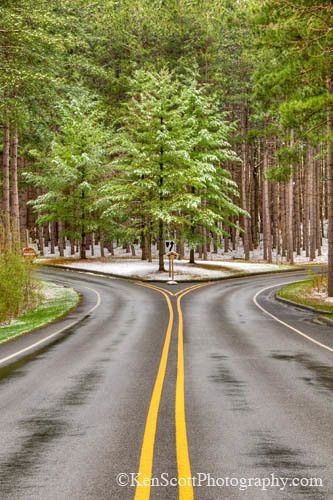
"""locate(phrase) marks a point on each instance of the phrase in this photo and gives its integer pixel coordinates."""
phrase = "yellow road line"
(183, 458)
(185, 291)
(159, 289)
(147, 451)
(154, 287)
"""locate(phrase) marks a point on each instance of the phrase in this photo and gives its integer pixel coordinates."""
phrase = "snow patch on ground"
(248, 267)
(50, 291)
(183, 270)
(13, 322)
(255, 255)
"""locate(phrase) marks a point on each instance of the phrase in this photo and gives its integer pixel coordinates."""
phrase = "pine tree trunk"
(244, 188)
(101, 244)
(319, 206)
(204, 244)
(143, 246)
(161, 246)
(266, 211)
(290, 212)
(93, 245)
(226, 243)
(52, 238)
(160, 223)
(306, 215)
(149, 243)
(61, 240)
(83, 246)
(297, 213)
(313, 206)
(180, 243)
(15, 206)
(255, 218)
(290, 220)
(83, 239)
(275, 215)
(278, 229)
(330, 185)
(6, 186)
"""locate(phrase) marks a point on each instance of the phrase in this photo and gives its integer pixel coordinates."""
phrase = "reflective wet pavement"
(258, 398)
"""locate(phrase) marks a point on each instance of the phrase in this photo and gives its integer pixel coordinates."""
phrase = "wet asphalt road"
(258, 395)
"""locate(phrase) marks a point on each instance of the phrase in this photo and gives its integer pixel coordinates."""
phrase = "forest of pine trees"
(209, 121)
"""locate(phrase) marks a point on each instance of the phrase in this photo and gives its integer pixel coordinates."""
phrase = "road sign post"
(171, 255)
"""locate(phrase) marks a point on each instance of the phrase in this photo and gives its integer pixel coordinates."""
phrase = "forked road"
(196, 383)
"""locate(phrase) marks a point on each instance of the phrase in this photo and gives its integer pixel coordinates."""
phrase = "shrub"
(19, 291)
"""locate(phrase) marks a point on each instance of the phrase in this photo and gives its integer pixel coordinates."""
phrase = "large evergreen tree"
(168, 157)
(72, 170)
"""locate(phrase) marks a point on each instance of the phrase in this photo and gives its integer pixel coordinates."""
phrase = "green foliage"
(87, 83)
(73, 168)
(280, 173)
(294, 57)
(168, 156)
(18, 288)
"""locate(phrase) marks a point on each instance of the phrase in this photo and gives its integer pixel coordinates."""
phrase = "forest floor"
(120, 252)
(56, 302)
(184, 271)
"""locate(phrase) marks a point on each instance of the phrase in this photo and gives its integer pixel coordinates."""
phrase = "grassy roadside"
(56, 302)
(306, 293)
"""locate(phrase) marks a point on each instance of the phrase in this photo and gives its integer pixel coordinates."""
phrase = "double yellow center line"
(147, 451)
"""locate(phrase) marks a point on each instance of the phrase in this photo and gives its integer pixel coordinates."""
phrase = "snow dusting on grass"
(307, 293)
(56, 302)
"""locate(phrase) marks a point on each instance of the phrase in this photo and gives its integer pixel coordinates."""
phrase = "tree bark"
(52, 237)
(72, 243)
(313, 205)
(290, 214)
(41, 241)
(244, 187)
(160, 222)
(149, 243)
(143, 245)
(6, 185)
(15, 206)
(161, 246)
(330, 186)
(101, 244)
(61, 239)
(266, 212)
